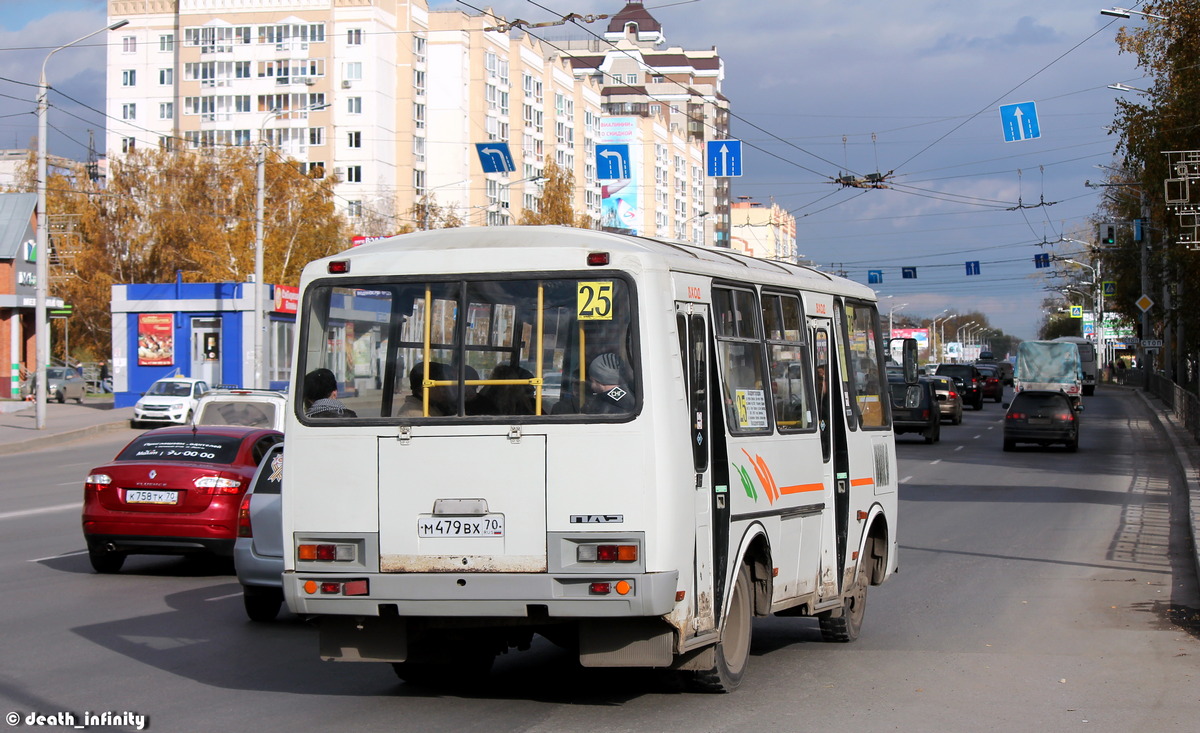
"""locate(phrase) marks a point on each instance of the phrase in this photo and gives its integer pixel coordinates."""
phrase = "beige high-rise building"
(767, 232)
(398, 101)
(673, 96)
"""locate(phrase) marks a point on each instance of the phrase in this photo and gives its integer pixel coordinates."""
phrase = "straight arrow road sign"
(724, 158)
(1020, 122)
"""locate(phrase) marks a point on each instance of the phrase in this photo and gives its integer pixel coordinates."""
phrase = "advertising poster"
(156, 339)
(619, 208)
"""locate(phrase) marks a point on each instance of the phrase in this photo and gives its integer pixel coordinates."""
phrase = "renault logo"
(153, 473)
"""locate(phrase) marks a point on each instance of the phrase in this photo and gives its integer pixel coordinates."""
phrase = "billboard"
(619, 205)
(156, 339)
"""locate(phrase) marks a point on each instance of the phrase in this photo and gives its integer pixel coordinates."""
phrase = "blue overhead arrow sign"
(495, 158)
(612, 162)
(724, 158)
(1020, 122)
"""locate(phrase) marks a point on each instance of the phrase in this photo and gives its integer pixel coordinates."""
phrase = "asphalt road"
(1039, 590)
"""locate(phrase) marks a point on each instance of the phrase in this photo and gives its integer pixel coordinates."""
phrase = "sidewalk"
(64, 423)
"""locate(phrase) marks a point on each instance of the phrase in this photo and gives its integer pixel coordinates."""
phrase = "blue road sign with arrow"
(612, 162)
(1020, 122)
(724, 158)
(495, 158)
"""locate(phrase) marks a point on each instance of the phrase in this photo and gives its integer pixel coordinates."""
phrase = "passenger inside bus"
(608, 386)
(320, 396)
(505, 399)
(439, 397)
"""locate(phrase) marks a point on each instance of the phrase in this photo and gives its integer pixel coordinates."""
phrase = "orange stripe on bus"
(862, 481)
(799, 488)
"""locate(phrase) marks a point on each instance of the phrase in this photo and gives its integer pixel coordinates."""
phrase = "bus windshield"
(404, 349)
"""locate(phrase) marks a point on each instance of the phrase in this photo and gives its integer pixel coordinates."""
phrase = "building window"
(316, 136)
(166, 111)
(354, 139)
(419, 182)
(354, 174)
(631, 78)
(352, 71)
(418, 81)
(127, 145)
(313, 169)
(166, 77)
(129, 44)
(419, 49)
(354, 37)
(354, 209)
(241, 69)
(419, 149)
(166, 42)
(129, 111)
(241, 103)
(129, 78)
(419, 116)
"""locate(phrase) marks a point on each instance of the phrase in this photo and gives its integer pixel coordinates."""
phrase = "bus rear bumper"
(491, 595)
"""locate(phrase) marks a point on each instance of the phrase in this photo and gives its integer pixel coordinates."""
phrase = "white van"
(257, 408)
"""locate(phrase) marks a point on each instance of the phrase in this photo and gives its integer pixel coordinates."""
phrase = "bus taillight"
(607, 553)
(325, 552)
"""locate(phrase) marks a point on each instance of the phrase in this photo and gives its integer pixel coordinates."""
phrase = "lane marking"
(934, 463)
(77, 506)
(977, 437)
(958, 448)
(906, 479)
(55, 557)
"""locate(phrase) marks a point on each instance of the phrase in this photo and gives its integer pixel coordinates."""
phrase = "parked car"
(915, 410)
(256, 408)
(1042, 417)
(63, 383)
(993, 385)
(950, 403)
(258, 550)
(169, 400)
(969, 382)
(171, 491)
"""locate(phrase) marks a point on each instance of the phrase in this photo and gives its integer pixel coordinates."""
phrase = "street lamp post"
(890, 312)
(42, 266)
(942, 338)
(258, 323)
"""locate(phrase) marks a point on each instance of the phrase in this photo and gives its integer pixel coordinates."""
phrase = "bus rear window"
(475, 349)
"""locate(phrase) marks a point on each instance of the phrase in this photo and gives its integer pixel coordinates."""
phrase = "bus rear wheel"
(733, 650)
(844, 624)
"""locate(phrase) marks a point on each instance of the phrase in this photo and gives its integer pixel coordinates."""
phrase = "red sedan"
(171, 491)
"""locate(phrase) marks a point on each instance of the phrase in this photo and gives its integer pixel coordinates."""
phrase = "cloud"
(1027, 32)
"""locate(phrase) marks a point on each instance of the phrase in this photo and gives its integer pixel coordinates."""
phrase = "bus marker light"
(355, 588)
(331, 588)
(600, 589)
(339, 267)
(680, 595)
(306, 552)
(623, 587)
(596, 259)
(310, 586)
(861, 515)
(627, 553)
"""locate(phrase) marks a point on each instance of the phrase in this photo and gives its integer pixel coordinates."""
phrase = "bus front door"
(710, 498)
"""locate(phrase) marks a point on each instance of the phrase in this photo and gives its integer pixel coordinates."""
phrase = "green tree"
(555, 205)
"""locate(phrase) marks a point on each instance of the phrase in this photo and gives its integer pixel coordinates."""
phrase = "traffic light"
(1108, 234)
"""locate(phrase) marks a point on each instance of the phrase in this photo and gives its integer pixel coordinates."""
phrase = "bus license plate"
(141, 496)
(491, 525)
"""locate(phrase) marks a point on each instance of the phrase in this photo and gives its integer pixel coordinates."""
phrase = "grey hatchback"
(1042, 417)
(258, 550)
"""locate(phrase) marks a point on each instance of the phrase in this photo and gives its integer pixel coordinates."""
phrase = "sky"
(818, 89)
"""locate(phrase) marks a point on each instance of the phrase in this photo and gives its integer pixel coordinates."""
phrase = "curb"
(69, 436)
(1187, 467)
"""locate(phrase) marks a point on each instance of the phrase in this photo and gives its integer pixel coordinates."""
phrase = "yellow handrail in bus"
(537, 382)
(425, 383)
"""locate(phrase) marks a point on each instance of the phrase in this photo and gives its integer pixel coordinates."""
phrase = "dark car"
(172, 491)
(969, 381)
(258, 552)
(915, 409)
(993, 383)
(1042, 417)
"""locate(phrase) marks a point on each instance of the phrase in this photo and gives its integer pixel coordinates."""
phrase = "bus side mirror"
(908, 351)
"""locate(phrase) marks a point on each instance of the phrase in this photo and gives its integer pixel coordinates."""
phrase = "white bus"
(685, 473)
(1087, 361)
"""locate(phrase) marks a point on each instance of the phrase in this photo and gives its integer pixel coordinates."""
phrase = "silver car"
(258, 550)
(949, 400)
(63, 383)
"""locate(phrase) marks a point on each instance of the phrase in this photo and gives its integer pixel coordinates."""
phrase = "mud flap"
(363, 639)
(638, 642)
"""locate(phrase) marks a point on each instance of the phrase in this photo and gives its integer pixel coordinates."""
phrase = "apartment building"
(674, 96)
(335, 84)
(768, 232)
